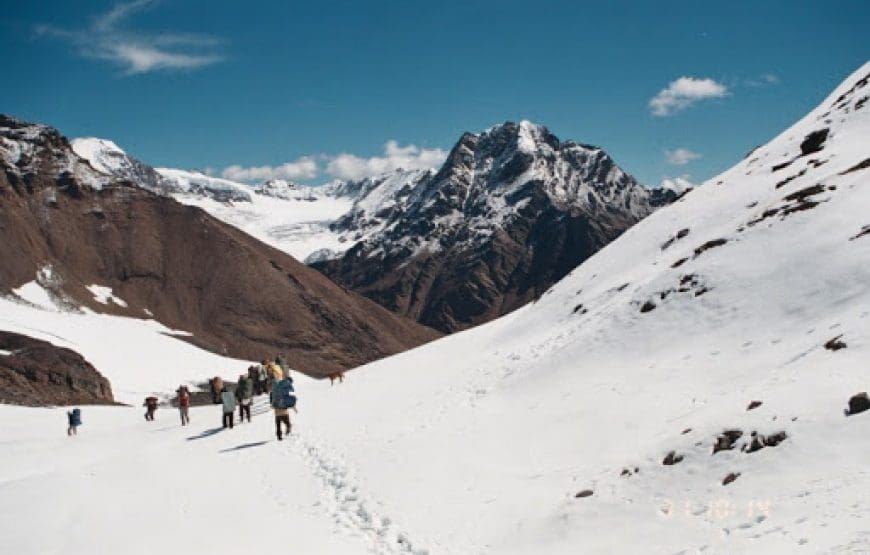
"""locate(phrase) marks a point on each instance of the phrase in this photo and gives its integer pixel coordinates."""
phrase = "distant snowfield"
(297, 227)
(479, 442)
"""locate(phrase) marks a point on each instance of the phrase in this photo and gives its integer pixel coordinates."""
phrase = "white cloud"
(342, 166)
(410, 157)
(136, 52)
(684, 92)
(678, 184)
(680, 156)
(765, 80)
(302, 169)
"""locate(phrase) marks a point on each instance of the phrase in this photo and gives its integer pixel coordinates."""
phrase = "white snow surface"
(295, 225)
(104, 155)
(139, 357)
(104, 295)
(478, 443)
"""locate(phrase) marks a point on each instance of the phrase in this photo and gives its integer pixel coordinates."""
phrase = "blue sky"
(339, 89)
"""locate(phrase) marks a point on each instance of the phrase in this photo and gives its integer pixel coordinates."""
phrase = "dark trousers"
(185, 415)
(279, 419)
(228, 419)
(244, 410)
(149, 414)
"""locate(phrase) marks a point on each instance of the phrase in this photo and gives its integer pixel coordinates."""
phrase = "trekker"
(255, 379)
(229, 405)
(184, 404)
(282, 400)
(150, 407)
(276, 372)
(263, 374)
(75, 420)
(245, 396)
(282, 362)
(217, 385)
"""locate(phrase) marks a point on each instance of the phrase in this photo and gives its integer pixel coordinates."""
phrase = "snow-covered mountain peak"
(28, 149)
(279, 188)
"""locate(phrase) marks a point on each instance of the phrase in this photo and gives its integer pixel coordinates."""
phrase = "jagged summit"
(511, 210)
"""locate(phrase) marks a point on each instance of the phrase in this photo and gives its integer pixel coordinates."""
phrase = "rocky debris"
(863, 165)
(844, 98)
(37, 373)
(835, 344)
(511, 212)
(686, 431)
(775, 439)
(858, 403)
(759, 441)
(753, 405)
(864, 231)
(679, 262)
(790, 178)
(626, 472)
(583, 493)
(580, 309)
(648, 306)
(795, 202)
(237, 296)
(814, 142)
(726, 440)
(730, 478)
(672, 458)
(677, 236)
(709, 245)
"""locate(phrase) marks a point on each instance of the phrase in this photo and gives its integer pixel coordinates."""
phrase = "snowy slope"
(479, 442)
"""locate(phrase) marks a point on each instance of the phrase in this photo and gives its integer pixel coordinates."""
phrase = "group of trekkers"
(268, 377)
(272, 378)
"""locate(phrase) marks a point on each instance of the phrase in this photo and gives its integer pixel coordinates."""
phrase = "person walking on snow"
(282, 400)
(228, 400)
(263, 377)
(255, 379)
(245, 396)
(184, 404)
(150, 407)
(74, 417)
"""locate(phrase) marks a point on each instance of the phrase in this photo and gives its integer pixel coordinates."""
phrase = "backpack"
(76, 417)
(282, 395)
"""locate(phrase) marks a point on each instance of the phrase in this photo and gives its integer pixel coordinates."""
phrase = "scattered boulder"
(835, 344)
(814, 142)
(730, 478)
(753, 405)
(686, 431)
(863, 165)
(864, 231)
(583, 493)
(709, 245)
(672, 458)
(858, 403)
(756, 443)
(775, 439)
(648, 306)
(726, 440)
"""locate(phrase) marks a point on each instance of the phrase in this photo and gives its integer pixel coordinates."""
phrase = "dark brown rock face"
(236, 295)
(37, 373)
(512, 211)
